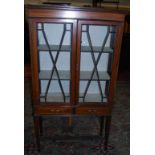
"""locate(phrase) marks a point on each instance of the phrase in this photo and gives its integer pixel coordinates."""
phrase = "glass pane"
(97, 44)
(54, 46)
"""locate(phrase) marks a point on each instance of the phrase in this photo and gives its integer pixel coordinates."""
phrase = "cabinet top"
(72, 12)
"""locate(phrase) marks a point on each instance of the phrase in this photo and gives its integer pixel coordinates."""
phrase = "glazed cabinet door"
(97, 60)
(53, 60)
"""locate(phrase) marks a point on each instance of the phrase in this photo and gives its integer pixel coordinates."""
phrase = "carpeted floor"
(119, 134)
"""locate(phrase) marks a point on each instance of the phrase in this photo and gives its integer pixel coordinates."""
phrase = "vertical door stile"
(73, 63)
(78, 60)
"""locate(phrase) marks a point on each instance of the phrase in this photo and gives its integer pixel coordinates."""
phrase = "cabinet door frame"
(35, 60)
(115, 61)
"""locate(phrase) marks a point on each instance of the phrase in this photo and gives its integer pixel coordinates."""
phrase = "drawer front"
(52, 111)
(92, 111)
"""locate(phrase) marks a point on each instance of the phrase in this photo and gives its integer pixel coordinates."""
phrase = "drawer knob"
(91, 110)
(55, 110)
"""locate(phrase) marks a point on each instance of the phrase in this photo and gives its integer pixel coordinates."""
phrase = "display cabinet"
(74, 62)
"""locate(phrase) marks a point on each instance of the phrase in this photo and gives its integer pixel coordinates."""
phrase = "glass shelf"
(67, 48)
(45, 75)
(65, 75)
(90, 97)
(54, 97)
(85, 75)
(96, 49)
(58, 97)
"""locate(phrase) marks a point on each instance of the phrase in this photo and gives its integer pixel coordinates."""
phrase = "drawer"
(92, 111)
(52, 111)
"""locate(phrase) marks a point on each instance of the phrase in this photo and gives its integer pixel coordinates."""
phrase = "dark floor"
(119, 133)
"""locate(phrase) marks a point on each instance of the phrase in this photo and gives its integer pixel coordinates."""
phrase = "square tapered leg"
(107, 130)
(101, 125)
(37, 131)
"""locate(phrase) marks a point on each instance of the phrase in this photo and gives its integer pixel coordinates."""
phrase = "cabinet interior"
(55, 53)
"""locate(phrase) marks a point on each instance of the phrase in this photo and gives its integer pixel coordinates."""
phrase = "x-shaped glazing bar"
(95, 62)
(54, 62)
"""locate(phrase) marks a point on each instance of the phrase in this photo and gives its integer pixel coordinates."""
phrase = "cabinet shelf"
(65, 75)
(58, 97)
(54, 97)
(92, 98)
(67, 48)
(96, 49)
(86, 75)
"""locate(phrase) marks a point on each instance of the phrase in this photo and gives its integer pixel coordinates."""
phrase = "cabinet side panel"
(34, 61)
(115, 64)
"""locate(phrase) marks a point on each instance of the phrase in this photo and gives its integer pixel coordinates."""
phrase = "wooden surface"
(70, 12)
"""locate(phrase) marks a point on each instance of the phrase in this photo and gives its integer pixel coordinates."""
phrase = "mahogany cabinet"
(74, 61)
